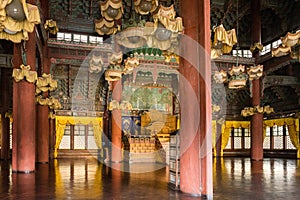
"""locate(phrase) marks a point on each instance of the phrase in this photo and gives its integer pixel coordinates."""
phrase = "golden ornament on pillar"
(45, 83)
(24, 73)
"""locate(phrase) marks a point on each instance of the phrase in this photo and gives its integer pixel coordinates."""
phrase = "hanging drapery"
(293, 128)
(226, 130)
(62, 121)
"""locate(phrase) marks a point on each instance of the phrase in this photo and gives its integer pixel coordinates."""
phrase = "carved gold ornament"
(163, 32)
(281, 51)
(51, 102)
(51, 115)
(24, 73)
(249, 111)
(45, 83)
(216, 108)
(288, 44)
(223, 41)
(130, 63)
(95, 64)
(104, 27)
(256, 46)
(116, 58)
(111, 9)
(144, 7)
(220, 76)
(51, 26)
(169, 56)
(114, 71)
(17, 19)
(113, 105)
(166, 16)
(255, 72)
(291, 39)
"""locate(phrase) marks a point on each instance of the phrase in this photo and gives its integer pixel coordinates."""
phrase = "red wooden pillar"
(25, 115)
(5, 82)
(257, 118)
(43, 127)
(116, 135)
(17, 61)
(196, 155)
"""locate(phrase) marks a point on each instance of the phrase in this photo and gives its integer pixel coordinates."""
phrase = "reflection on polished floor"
(234, 178)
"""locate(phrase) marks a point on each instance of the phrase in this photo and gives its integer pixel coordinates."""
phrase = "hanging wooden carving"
(104, 27)
(111, 9)
(45, 83)
(51, 26)
(144, 7)
(24, 73)
(95, 64)
(223, 41)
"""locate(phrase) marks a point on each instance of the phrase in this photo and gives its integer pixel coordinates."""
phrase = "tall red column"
(5, 90)
(26, 115)
(257, 118)
(196, 145)
(17, 61)
(116, 135)
(43, 126)
(43, 134)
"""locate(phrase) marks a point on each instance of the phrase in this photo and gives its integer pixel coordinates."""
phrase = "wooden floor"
(233, 178)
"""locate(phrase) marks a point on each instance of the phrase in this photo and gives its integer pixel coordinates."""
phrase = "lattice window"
(267, 143)
(79, 142)
(92, 143)
(267, 140)
(65, 142)
(237, 142)
(79, 130)
(278, 142)
(247, 138)
(237, 137)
